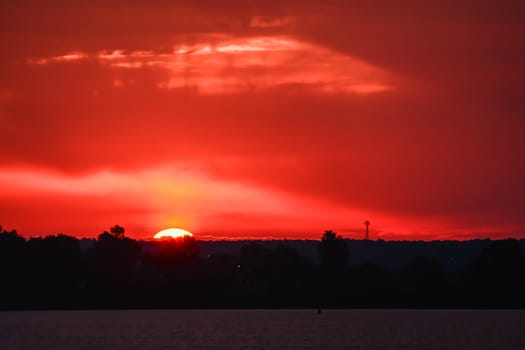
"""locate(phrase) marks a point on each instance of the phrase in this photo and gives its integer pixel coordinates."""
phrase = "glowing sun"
(172, 233)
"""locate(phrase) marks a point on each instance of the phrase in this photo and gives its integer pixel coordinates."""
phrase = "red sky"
(263, 118)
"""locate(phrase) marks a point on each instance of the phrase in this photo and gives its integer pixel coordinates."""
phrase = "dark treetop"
(114, 271)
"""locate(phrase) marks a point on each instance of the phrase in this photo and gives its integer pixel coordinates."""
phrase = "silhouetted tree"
(253, 262)
(290, 276)
(333, 251)
(13, 268)
(54, 267)
(423, 281)
(276, 277)
(178, 251)
(117, 231)
(10, 240)
(333, 269)
(499, 274)
(114, 232)
(371, 285)
(112, 264)
(116, 271)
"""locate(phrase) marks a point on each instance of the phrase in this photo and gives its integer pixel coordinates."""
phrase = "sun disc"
(172, 233)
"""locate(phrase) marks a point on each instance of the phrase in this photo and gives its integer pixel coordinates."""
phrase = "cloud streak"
(230, 65)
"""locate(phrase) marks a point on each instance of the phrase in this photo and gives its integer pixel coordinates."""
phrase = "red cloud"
(441, 155)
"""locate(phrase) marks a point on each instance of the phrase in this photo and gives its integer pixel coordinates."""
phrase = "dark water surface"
(263, 329)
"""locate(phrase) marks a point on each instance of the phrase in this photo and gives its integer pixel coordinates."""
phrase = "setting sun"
(172, 233)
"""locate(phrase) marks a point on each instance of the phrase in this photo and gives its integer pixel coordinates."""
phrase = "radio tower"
(367, 223)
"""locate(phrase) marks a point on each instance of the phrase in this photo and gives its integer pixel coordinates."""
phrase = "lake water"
(263, 329)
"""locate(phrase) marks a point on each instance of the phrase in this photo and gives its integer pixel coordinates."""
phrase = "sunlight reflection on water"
(263, 329)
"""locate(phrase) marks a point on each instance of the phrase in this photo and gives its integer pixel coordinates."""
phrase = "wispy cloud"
(227, 65)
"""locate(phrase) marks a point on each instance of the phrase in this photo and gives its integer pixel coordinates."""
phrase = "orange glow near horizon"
(172, 233)
(231, 212)
(262, 120)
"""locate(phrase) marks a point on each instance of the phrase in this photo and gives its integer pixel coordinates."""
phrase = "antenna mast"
(367, 223)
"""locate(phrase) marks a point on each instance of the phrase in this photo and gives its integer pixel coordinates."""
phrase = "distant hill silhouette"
(115, 271)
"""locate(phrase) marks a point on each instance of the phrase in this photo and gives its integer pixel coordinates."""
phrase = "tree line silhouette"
(58, 272)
